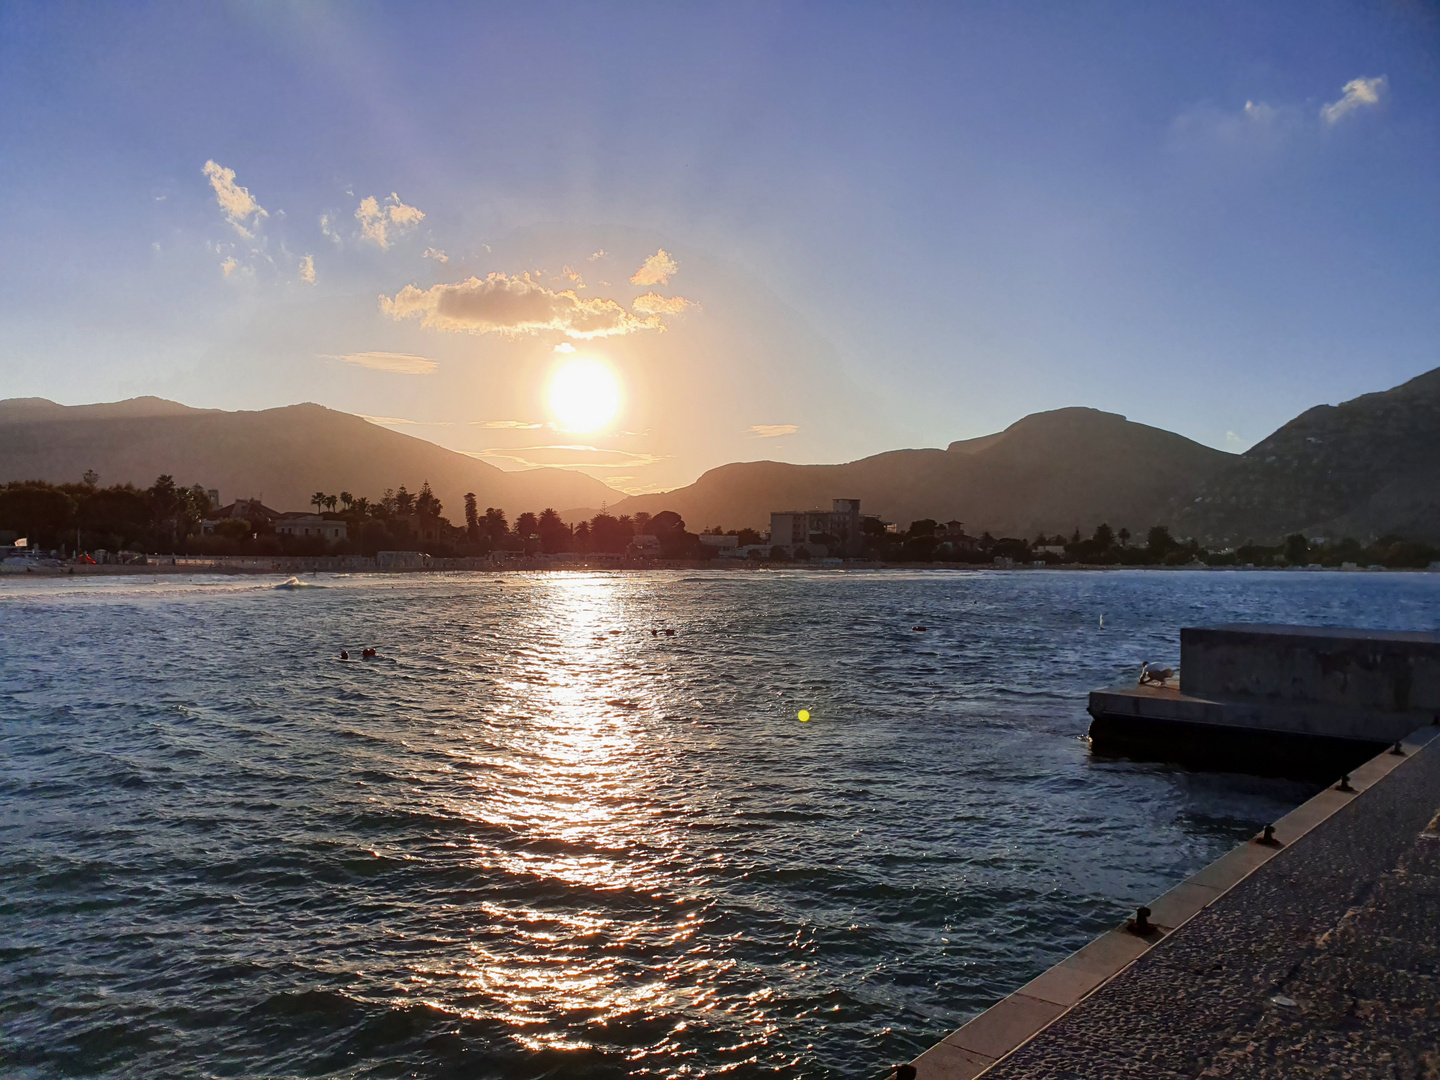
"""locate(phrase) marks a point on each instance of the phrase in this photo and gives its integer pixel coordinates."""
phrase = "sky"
(648, 239)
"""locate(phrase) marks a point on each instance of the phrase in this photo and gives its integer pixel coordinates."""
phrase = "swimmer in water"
(344, 655)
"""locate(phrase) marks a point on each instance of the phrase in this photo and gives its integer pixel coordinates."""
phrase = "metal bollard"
(1344, 784)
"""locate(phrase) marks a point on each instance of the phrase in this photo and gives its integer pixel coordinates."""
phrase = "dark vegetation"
(167, 519)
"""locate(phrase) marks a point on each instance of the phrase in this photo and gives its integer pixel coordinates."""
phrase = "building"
(310, 525)
(722, 545)
(837, 530)
(642, 544)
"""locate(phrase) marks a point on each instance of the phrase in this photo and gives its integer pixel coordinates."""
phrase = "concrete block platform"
(1311, 952)
(1310, 702)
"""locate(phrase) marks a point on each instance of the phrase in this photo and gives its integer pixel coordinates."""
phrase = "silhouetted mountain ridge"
(1365, 468)
(282, 454)
(1048, 472)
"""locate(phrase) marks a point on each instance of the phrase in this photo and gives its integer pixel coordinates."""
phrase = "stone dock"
(1311, 952)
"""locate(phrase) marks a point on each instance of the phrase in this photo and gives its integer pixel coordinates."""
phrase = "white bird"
(1155, 675)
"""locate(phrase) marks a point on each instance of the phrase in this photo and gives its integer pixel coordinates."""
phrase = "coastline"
(259, 567)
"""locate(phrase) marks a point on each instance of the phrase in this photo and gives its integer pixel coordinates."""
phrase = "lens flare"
(584, 395)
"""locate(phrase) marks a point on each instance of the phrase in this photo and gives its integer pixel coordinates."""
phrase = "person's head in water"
(344, 655)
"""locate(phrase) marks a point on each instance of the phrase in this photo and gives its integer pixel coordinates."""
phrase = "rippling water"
(541, 835)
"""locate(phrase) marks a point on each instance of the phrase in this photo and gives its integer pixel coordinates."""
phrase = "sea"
(571, 824)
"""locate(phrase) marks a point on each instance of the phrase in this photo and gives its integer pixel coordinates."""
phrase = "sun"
(584, 395)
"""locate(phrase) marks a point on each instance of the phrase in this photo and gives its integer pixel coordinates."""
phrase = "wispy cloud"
(399, 363)
(400, 421)
(773, 431)
(565, 457)
(654, 304)
(520, 424)
(378, 220)
(595, 255)
(436, 254)
(228, 265)
(1356, 94)
(307, 270)
(327, 226)
(572, 275)
(512, 306)
(237, 202)
(655, 270)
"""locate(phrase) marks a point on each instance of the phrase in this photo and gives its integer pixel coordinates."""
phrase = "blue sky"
(890, 225)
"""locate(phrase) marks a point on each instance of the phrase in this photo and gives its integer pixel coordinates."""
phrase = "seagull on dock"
(1154, 675)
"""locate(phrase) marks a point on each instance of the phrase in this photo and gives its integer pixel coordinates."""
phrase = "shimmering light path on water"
(541, 836)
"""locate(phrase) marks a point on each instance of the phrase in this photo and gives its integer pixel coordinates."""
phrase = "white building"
(789, 528)
(723, 545)
(310, 525)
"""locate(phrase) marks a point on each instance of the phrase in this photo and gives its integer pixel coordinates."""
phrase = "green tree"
(496, 527)
(404, 501)
(472, 518)
(1104, 536)
(554, 534)
(1297, 549)
(426, 503)
(1159, 541)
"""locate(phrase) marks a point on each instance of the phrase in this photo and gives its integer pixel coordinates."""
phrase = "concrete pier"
(1290, 699)
(1310, 951)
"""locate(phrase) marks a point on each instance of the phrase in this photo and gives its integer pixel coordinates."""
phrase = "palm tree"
(318, 501)
(346, 499)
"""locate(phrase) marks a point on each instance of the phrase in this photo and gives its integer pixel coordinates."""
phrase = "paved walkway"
(1325, 962)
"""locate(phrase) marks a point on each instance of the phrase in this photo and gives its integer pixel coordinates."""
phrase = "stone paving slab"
(1323, 961)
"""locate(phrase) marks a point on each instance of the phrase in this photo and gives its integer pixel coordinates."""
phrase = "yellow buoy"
(804, 716)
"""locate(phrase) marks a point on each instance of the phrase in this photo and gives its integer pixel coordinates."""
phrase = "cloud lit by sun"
(584, 395)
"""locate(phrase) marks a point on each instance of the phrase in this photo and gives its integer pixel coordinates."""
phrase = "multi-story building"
(310, 525)
(836, 529)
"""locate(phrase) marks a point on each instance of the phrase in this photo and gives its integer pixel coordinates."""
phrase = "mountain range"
(1365, 468)
(281, 456)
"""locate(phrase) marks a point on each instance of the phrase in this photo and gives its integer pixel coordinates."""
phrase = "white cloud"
(573, 276)
(564, 347)
(227, 267)
(654, 304)
(327, 226)
(436, 254)
(237, 202)
(307, 270)
(655, 270)
(1236, 443)
(521, 424)
(773, 431)
(1358, 94)
(400, 363)
(377, 220)
(512, 306)
(593, 255)
(566, 456)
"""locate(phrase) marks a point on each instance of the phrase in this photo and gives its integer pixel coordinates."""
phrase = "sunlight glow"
(584, 395)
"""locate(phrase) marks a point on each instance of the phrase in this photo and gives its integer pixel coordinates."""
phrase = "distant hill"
(1365, 468)
(283, 455)
(1049, 472)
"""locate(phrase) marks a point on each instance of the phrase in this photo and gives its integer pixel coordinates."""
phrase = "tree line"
(166, 518)
(926, 541)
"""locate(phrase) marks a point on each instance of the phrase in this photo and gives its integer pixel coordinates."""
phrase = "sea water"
(569, 824)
